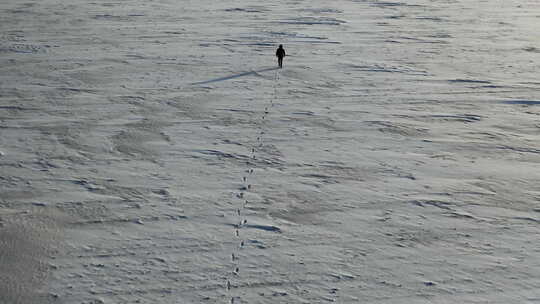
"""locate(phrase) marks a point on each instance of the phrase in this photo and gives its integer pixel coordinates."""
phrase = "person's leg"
(280, 62)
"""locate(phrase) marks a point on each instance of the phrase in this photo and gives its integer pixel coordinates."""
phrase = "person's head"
(281, 46)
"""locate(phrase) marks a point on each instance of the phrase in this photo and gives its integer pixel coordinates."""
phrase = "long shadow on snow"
(523, 102)
(235, 76)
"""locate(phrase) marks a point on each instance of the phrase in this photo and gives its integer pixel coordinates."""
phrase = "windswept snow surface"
(152, 153)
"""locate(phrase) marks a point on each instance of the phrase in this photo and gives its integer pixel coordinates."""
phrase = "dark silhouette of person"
(280, 53)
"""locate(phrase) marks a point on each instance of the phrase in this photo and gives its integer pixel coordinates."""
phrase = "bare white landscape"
(151, 151)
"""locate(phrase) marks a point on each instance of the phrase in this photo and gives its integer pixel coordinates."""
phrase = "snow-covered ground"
(394, 159)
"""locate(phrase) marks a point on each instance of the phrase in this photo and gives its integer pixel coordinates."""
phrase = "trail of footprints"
(242, 221)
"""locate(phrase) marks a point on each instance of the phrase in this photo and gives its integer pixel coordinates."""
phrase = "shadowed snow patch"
(321, 10)
(523, 102)
(468, 81)
(389, 4)
(456, 117)
(532, 49)
(23, 48)
(245, 10)
(313, 21)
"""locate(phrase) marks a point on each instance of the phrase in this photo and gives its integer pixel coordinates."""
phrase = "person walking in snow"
(280, 53)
